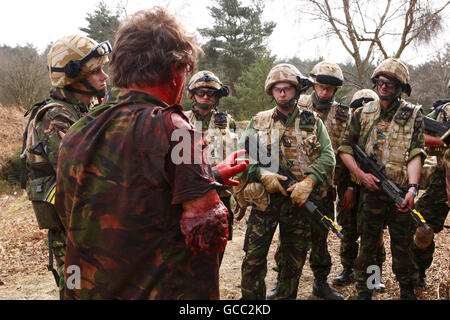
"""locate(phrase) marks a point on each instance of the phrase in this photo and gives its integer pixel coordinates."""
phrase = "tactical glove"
(271, 182)
(301, 191)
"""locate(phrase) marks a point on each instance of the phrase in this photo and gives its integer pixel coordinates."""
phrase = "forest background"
(236, 48)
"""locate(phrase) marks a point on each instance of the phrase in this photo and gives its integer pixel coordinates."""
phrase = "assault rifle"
(435, 128)
(375, 166)
(291, 179)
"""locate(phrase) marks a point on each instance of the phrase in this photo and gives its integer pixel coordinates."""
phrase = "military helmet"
(362, 96)
(71, 58)
(206, 79)
(327, 73)
(394, 68)
(285, 72)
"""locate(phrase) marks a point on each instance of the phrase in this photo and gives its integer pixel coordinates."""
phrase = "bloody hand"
(348, 200)
(231, 166)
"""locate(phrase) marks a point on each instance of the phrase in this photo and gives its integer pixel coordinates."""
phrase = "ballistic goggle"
(73, 68)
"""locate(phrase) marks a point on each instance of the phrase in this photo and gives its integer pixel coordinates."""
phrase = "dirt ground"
(24, 256)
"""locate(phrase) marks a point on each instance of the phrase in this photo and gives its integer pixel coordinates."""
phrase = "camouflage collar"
(121, 96)
(390, 111)
(66, 96)
(199, 117)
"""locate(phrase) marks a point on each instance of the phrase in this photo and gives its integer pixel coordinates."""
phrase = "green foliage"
(251, 97)
(102, 24)
(236, 39)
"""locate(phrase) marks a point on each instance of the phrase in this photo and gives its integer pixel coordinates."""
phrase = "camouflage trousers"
(319, 259)
(348, 222)
(433, 206)
(299, 232)
(376, 211)
(58, 244)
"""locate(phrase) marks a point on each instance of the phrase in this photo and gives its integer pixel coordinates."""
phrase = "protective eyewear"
(209, 93)
(380, 82)
(279, 90)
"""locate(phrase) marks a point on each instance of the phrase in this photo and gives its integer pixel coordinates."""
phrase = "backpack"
(36, 165)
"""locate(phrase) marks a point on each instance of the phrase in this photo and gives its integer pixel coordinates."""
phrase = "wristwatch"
(413, 185)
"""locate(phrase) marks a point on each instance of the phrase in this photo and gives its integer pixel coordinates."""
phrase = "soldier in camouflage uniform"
(308, 154)
(134, 191)
(347, 208)
(76, 72)
(433, 203)
(205, 90)
(328, 78)
(393, 130)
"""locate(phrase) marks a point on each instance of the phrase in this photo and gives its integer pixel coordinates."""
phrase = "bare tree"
(23, 76)
(369, 30)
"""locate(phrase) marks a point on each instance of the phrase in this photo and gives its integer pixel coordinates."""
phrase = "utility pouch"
(41, 193)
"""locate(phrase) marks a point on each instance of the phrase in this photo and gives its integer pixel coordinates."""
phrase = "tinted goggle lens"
(388, 84)
(278, 90)
(201, 93)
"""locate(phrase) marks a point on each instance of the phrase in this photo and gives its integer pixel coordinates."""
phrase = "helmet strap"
(88, 85)
(322, 104)
(392, 96)
(205, 106)
(291, 102)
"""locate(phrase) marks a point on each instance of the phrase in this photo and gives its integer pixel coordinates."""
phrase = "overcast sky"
(44, 21)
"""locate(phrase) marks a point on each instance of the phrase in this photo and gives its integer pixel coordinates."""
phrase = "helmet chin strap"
(290, 103)
(88, 85)
(205, 106)
(322, 104)
(391, 96)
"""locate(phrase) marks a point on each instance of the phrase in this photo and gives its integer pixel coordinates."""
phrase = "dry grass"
(12, 123)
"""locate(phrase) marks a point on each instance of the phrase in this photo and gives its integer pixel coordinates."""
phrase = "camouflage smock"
(57, 120)
(119, 196)
(352, 134)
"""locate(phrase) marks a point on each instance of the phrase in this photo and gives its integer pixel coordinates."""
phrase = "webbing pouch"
(41, 193)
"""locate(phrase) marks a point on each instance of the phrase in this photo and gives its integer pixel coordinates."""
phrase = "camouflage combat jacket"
(49, 121)
(336, 120)
(304, 142)
(219, 134)
(394, 134)
(120, 195)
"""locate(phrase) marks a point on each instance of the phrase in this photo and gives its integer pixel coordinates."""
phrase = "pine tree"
(102, 24)
(236, 39)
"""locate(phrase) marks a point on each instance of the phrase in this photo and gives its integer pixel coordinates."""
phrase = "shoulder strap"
(369, 106)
